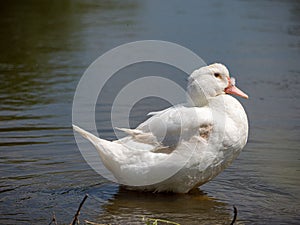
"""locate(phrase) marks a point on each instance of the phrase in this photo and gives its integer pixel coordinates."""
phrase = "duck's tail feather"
(111, 153)
(91, 137)
(104, 145)
(105, 148)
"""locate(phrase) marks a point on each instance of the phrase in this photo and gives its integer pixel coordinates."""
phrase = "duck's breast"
(231, 127)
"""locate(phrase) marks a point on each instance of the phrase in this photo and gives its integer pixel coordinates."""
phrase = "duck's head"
(209, 82)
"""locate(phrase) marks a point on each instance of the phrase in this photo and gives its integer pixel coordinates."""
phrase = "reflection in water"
(127, 207)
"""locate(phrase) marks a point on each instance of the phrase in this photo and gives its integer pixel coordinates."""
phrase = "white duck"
(185, 146)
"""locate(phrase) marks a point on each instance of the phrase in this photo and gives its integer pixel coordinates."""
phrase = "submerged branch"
(53, 220)
(78, 210)
(234, 215)
(155, 221)
(93, 223)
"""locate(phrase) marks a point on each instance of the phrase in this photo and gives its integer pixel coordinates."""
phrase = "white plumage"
(185, 146)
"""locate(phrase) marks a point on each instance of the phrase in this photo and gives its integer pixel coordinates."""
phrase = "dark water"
(47, 45)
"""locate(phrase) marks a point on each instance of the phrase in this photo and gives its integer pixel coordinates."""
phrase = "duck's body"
(179, 148)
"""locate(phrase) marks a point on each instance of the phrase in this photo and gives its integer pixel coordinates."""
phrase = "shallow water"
(45, 48)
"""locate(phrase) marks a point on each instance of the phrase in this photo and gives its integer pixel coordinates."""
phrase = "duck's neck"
(197, 101)
(199, 95)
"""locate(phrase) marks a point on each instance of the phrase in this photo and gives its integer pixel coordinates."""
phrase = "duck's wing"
(168, 127)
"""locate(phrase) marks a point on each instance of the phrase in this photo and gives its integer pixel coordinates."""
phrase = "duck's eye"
(217, 75)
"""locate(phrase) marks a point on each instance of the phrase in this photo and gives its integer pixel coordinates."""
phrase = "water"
(45, 48)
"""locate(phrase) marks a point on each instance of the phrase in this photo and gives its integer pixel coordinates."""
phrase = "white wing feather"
(168, 127)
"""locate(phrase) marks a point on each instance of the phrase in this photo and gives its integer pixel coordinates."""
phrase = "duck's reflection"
(128, 207)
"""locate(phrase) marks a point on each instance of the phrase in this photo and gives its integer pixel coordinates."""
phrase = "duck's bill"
(235, 91)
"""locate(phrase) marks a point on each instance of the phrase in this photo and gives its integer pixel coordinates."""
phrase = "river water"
(46, 47)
